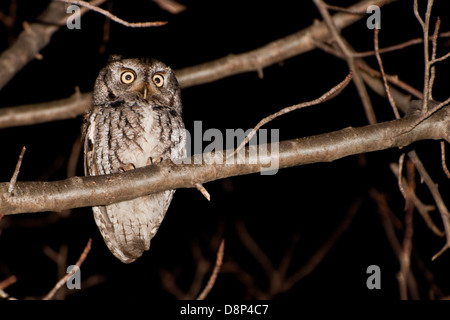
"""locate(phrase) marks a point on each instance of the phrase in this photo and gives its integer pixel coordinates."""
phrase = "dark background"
(306, 202)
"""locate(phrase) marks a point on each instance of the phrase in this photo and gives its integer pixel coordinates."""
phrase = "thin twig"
(433, 55)
(60, 259)
(425, 28)
(113, 17)
(7, 282)
(445, 216)
(325, 97)
(203, 191)
(286, 260)
(202, 265)
(106, 31)
(446, 56)
(393, 79)
(443, 161)
(170, 5)
(215, 272)
(252, 246)
(348, 53)
(386, 216)
(368, 71)
(427, 114)
(73, 158)
(12, 182)
(320, 254)
(383, 74)
(61, 282)
(395, 47)
(405, 257)
(271, 53)
(422, 208)
(168, 281)
(346, 10)
(400, 178)
(417, 14)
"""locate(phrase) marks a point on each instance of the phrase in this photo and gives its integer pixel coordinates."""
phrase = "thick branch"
(101, 190)
(44, 112)
(33, 39)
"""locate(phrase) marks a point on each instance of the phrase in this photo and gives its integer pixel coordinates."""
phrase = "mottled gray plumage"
(135, 121)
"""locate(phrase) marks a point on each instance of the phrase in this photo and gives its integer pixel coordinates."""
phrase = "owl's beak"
(147, 90)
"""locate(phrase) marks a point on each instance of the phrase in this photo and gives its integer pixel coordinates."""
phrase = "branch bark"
(101, 190)
(33, 39)
(273, 52)
(43, 112)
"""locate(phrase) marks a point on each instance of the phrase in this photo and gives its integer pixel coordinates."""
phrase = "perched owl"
(135, 121)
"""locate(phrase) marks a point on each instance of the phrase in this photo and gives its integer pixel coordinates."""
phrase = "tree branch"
(33, 39)
(113, 17)
(101, 190)
(76, 267)
(274, 52)
(213, 277)
(36, 113)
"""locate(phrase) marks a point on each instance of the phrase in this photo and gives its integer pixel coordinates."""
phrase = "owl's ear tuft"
(114, 58)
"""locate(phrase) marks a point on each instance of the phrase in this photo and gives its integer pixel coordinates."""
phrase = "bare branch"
(252, 246)
(393, 79)
(400, 178)
(443, 161)
(255, 60)
(12, 183)
(445, 216)
(325, 97)
(433, 55)
(113, 17)
(435, 108)
(7, 282)
(405, 257)
(383, 74)
(348, 54)
(417, 14)
(318, 256)
(170, 5)
(203, 191)
(372, 78)
(215, 272)
(61, 282)
(33, 39)
(422, 208)
(446, 56)
(101, 190)
(386, 220)
(47, 111)
(274, 52)
(426, 49)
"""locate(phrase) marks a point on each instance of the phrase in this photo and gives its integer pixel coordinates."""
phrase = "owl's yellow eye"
(158, 80)
(127, 77)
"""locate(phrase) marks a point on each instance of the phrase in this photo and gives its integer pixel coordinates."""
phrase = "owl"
(135, 120)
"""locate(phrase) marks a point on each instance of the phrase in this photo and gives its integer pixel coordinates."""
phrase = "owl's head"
(129, 79)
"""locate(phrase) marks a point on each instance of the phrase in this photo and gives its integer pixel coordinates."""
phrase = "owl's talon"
(169, 161)
(150, 160)
(128, 166)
